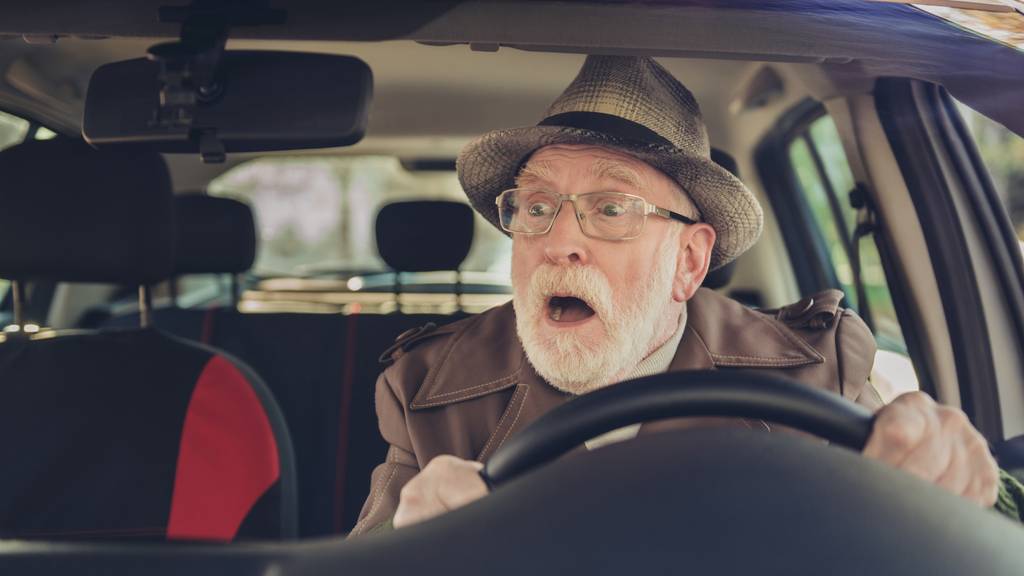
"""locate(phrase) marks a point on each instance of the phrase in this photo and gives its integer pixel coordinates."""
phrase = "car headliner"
(851, 39)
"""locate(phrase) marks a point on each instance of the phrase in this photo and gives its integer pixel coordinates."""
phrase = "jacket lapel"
(532, 398)
(469, 369)
(485, 357)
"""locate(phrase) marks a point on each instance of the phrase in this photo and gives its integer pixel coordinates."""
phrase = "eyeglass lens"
(608, 215)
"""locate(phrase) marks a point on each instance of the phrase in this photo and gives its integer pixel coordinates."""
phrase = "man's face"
(589, 310)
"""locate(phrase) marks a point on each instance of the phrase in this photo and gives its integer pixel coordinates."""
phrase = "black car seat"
(322, 368)
(129, 434)
(213, 236)
(412, 236)
(720, 278)
(302, 357)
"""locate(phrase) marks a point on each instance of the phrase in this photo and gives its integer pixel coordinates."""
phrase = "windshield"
(315, 215)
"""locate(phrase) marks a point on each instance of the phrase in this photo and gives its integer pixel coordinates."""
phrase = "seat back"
(301, 357)
(322, 368)
(131, 433)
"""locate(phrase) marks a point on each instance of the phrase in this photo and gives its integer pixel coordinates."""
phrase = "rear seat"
(129, 433)
(322, 368)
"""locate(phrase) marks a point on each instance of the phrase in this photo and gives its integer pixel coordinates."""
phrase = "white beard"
(573, 363)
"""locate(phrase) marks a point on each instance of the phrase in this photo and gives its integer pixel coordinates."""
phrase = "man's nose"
(565, 243)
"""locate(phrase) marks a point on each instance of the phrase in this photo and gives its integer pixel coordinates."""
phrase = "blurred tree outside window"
(317, 214)
(1002, 152)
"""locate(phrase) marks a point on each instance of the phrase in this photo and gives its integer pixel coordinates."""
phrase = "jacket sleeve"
(399, 465)
(855, 354)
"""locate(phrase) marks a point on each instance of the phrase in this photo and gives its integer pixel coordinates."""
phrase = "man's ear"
(693, 261)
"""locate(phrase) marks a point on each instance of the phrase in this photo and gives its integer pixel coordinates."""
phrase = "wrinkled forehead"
(592, 167)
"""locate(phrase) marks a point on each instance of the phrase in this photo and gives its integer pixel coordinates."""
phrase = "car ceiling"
(851, 38)
(425, 97)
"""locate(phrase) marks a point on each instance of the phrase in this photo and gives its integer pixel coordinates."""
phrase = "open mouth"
(568, 309)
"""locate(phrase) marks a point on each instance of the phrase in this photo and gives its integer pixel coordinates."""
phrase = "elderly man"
(617, 214)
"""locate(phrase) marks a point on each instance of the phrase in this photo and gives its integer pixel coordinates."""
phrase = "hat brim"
(488, 165)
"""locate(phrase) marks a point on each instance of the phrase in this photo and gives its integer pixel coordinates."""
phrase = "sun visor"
(253, 101)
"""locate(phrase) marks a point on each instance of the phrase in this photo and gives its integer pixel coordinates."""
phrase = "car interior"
(194, 321)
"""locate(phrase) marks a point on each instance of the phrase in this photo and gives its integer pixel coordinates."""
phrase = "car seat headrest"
(214, 235)
(71, 213)
(424, 236)
(720, 277)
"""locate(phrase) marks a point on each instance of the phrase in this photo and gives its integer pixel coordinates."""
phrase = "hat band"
(609, 124)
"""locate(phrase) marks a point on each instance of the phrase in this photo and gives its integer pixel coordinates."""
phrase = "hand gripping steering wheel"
(723, 393)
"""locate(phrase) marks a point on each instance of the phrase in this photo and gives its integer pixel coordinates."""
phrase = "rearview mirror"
(264, 100)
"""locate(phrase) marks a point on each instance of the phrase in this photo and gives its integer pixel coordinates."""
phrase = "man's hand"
(936, 443)
(444, 484)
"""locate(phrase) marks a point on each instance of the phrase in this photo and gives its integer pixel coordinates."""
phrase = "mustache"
(584, 282)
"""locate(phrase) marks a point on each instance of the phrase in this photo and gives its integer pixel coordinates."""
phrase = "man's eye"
(612, 209)
(539, 209)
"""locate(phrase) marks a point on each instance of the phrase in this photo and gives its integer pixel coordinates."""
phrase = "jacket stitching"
(477, 387)
(703, 345)
(727, 360)
(432, 375)
(467, 394)
(796, 342)
(813, 356)
(380, 495)
(504, 416)
(870, 388)
(515, 421)
(839, 357)
(522, 403)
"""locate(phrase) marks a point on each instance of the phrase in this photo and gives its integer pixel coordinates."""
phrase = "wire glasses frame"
(601, 215)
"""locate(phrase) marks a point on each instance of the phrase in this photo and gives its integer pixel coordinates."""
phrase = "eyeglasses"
(602, 215)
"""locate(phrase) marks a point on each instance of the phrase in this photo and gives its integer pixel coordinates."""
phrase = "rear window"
(315, 215)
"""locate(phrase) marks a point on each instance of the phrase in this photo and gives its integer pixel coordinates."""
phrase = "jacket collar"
(485, 355)
(482, 357)
(722, 333)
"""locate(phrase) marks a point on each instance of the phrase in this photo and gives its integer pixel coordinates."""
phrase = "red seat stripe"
(227, 458)
(341, 457)
(209, 316)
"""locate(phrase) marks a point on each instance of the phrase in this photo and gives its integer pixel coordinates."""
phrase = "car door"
(846, 222)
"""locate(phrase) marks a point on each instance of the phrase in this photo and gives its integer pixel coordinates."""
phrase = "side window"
(824, 181)
(1002, 152)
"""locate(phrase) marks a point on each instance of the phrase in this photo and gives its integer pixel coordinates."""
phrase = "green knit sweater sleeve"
(1011, 497)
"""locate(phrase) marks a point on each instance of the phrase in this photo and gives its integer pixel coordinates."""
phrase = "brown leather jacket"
(465, 388)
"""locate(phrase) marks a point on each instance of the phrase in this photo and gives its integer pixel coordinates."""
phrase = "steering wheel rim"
(734, 393)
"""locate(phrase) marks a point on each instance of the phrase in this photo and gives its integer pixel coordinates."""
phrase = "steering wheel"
(736, 393)
(728, 502)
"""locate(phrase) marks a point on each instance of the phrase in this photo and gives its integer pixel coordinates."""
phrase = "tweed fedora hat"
(633, 105)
